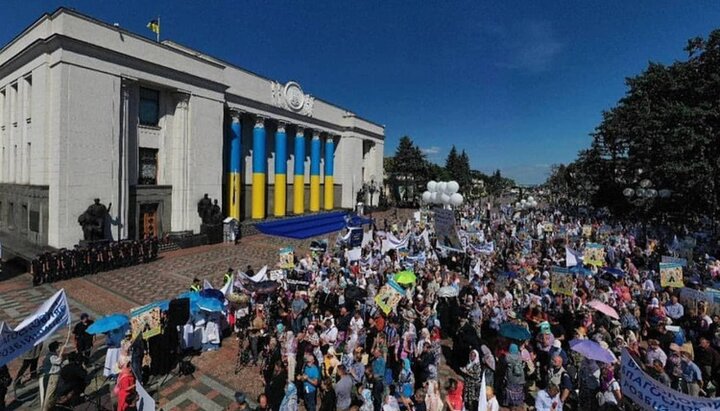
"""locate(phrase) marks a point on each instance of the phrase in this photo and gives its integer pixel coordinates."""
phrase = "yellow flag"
(154, 26)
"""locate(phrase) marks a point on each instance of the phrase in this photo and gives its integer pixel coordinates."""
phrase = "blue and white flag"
(487, 248)
(36, 328)
(572, 257)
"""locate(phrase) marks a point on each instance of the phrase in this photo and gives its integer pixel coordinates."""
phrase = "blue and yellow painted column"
(280, 170)
(315, 172)
(299, 183)
(259, 170)
(234, 180)
(329, 165)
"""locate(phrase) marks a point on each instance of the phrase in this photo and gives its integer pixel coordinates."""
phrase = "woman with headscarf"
(514, 378)
(367, 400)
(290, 401)
(473, 380)
(406, 380)
(488, 361)
(610, 395)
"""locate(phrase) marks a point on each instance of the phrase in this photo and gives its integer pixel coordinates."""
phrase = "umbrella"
(191, 295)
(209, 304)
(615, 272)
(108, 323)
(509, 274)
(578, 269)
(592, 351)
(405, 277)
(604, 308)
(448, 291)
(514, 331)
(212, 293)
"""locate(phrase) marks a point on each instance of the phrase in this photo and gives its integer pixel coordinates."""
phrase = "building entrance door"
(148, 216)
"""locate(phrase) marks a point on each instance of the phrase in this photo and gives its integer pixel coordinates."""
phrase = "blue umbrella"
(578, 269)
(209, 304)
(592, 351)
(509, 274)
(108, 323)
(212, 293)
(615, 272)
(514, 331)
(192, 295)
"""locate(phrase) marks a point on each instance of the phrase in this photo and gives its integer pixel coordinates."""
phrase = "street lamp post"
(643, 195)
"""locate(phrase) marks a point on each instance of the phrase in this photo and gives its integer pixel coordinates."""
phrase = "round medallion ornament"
(294, 96)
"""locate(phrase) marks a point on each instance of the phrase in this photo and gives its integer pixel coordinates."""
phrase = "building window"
(14, 104)
(11, 216)
(148, 166)
(28, 99)
(149, 107)
(35, 221)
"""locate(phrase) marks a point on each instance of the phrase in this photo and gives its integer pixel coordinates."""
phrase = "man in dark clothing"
(5, 382)
(83, 340)
(73, 379)
(276, 389)
(708, 359)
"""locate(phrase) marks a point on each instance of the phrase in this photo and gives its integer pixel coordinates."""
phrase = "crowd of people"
(341, 330)
(92, 258)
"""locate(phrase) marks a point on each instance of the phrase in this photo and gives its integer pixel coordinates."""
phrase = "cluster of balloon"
(443, 192)
(530, 202)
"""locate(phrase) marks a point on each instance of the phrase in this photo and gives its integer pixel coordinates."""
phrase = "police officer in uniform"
(195, 286)
(228, 276)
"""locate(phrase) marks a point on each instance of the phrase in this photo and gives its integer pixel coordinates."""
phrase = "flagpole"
(157, 35)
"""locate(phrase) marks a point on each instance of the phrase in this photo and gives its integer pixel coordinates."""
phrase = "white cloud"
(431, 150)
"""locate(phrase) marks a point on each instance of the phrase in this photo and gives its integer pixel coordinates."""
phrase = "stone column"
(280, 170)
(315, 172)
(234, 172)
(299, 182)
(123, 153)
(181, 207)
(329, 180)
(259, 170)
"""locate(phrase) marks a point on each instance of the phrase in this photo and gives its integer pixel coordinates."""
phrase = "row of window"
(28, 220)
(16, 103)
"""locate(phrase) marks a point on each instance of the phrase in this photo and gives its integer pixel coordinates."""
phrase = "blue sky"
(518, 84)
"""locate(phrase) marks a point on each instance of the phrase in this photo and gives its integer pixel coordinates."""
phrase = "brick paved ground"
(214, 384)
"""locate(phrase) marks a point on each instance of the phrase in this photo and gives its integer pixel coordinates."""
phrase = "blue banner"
(38, 327)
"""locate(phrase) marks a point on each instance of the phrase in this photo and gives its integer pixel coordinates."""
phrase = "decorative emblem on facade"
(291, 97)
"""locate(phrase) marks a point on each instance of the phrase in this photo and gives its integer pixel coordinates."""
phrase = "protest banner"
(594, 254)
(287, 258)
(650, 394)
(445, 231)
(676, 260)
(34, 329)
(356, 237)
(145, 320)
(561, 282)
(354, 254)
(587, 231)
(389, 296)
(145, 401)
(549, 227)
(671, 275)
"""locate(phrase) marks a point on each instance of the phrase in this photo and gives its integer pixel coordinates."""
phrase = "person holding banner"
(125, 387)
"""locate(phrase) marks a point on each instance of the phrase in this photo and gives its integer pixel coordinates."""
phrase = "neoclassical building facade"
(89, 110)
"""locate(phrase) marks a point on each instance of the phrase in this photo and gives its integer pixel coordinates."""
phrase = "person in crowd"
(30, 361)
(83, 340)
(548, 399)
(310, 378)
(5, 383)
(50, 376)
(125, 387)
(454, 397)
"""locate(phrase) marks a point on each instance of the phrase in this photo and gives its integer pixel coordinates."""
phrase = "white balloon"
(434, 197)
(431, 186)
(444, 198)
(523, 201)
(441, 187)
(453, 187)
(534, 203)
(456, 199)
(426, 197)
(530, 199)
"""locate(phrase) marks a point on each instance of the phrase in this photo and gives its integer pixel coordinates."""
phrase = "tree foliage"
(665, 129)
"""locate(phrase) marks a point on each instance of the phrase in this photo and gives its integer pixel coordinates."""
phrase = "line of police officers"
(91, 259)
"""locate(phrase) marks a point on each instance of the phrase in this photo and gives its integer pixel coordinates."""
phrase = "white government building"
(89, 110)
